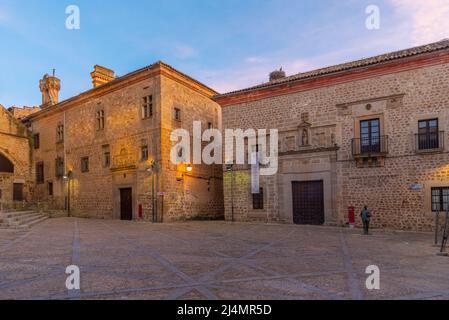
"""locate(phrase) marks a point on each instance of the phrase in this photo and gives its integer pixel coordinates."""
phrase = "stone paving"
(216, 260)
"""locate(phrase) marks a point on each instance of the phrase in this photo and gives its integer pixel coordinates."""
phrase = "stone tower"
(49, 86)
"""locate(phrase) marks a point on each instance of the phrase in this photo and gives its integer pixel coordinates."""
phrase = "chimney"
(49, 86)
(101, 75)
(276, 75)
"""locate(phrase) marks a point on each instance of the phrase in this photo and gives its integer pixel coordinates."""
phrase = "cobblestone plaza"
(216, 260)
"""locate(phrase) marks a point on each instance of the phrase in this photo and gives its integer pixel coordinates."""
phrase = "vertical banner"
(255, 173)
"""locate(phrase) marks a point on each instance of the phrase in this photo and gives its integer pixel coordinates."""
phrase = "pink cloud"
(428, 20)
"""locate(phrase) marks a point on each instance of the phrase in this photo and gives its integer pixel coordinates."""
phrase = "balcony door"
(428, 135)
(370, 136)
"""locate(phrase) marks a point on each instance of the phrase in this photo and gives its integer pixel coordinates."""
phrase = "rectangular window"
(50, 188)
(147, 107)
(258, 200)
(85, 164)
(100, 120)
(59, 167)
(210, 125)
(440, 199)
(144, 153)
(428, 134)
(60, 133)
(40, 173)
(370, 135)
(177, 114)
(17, 192)
(37, 141)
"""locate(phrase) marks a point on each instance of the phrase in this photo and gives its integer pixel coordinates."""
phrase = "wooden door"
(126, 204)
(308, 202)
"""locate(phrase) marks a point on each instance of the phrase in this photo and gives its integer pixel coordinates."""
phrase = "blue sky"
(227, 44)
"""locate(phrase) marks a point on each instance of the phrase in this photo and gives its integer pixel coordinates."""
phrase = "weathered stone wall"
(94, 193)
(416, 95)
(15, 146)
(97, 192)
(198, 194)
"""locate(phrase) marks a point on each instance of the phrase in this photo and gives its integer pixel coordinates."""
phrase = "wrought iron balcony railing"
(373, 146)
(429, 141)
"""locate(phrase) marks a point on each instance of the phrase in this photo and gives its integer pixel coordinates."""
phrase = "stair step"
(34, 222)
(21, 220)
(24, 217)
(28, 225)
(8, 215)
(26, 220)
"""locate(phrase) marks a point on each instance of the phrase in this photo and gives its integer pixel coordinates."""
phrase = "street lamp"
(230, 168)
(151, 169)
(67, 178)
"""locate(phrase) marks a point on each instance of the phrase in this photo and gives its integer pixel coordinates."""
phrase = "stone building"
(106, 152)
(23, 112)
(16, 180)
(372, 132)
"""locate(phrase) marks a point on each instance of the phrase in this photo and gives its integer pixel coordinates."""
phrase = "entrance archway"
(6, 166)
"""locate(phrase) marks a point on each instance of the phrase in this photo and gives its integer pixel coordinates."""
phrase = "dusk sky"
(227, 44)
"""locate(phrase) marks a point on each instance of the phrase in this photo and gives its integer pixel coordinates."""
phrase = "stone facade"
(23, 112)
(101, 138)
(16, 181)
(319, 117)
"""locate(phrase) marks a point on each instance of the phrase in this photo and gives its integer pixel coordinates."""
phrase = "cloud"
(183, 51)
(428, 20)
(4, 16)
(248, 73)
(256, 60)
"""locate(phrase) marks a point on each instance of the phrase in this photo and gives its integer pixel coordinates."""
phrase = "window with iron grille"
(144, 153)
(50, 188)
(177, 114)
(59, 167)
(147, 107)
(85, 164)
(258, 200)
(37, 141)
(440, 199)
(17, 192)
(100, 120)
(428, 134)
(40, 173)
(60, 133)
(106, 159)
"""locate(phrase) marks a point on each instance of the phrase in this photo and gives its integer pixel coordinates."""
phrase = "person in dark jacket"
(366, 217)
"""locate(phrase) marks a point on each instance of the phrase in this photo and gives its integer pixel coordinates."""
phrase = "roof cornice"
(437, 53)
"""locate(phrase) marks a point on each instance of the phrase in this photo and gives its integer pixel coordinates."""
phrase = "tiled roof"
(117, 80)
(441, 45)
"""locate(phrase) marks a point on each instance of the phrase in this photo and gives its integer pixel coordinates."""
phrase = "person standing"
(366, 218)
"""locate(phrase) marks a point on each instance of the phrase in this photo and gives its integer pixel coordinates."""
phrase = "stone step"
(34, 222)
(19, 220)
(25, 220)
(24, 217)
(13, 214)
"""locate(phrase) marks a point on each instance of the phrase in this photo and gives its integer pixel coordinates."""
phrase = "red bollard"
(351, 216)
